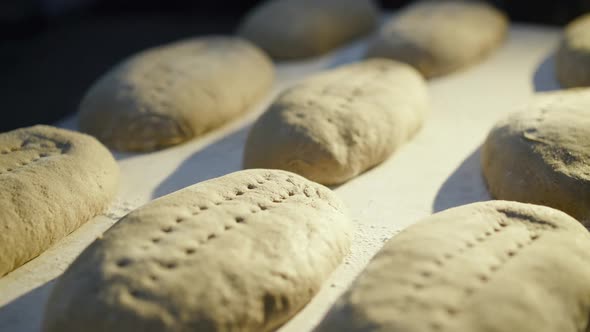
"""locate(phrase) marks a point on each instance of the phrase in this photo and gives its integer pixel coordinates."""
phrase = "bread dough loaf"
(243, 252)
(337, 124)
(51, 182)
(440, 37)
(303, 28)
(170, 94)
(493, 266)
(541, 154)
(572, 60)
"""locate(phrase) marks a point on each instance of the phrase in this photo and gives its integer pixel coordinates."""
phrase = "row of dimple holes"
(15, 149)
(483, 278)
(23, 163)
(189, 251)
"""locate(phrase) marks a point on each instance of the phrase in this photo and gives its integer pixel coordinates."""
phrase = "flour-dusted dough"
(572, 60)
(170, 94)
(303, 28)
(541, 154)
(486, 267)
(51, 182)
(440, 37)
(243, 252)
(333, 126)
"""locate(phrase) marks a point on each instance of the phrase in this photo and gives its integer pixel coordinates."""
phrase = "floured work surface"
(437, 170)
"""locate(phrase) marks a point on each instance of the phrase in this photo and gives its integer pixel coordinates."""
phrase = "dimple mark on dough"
(271, 304)
(238, 193)
(510, 253)
(42, 140)
(484, 278)
(23, 164)
(39, 156)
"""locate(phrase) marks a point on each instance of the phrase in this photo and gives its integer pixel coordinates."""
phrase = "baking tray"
(437, 170)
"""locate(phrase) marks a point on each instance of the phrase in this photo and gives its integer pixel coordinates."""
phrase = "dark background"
(52, 50)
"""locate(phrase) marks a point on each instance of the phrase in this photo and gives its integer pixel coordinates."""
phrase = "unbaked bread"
(289, 29)
(440, 37)
(172, 93)
(335, 125)
(51, 181)
(243, 252)
(493, 266)
(541, 154)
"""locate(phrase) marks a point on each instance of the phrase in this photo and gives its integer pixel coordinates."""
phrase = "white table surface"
(437, 170)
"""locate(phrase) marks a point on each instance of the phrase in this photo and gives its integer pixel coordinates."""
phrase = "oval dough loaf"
(572, 60)
(541, 154)
(243, 252)
(304, 28)
(439, 37)
(52, 181)
(494, 266)
(170, 94)
(335, 125)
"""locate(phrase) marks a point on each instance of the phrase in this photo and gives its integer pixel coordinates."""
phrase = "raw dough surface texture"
(493, 266)
(303, 28)
(170, 94)
(541, 154)
(52, 181)
(335, 125)
(440, 37)
(243, 252)
(572, 60)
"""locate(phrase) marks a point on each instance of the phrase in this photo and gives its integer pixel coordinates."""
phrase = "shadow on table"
(118, 155)
(352, 53)
(544, 77)
(25, 313)
(219, 158)
(466, 185)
